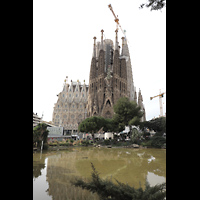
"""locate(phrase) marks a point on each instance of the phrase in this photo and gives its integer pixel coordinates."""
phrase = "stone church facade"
(110, 78)
(70, 108)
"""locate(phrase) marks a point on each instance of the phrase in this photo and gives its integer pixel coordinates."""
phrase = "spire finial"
(102, 38)
(94, 49)
(123, 41)
(94, 40)
(122, 46)
(116, 40)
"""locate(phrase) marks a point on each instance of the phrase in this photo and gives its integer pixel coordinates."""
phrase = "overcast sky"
(63, 34)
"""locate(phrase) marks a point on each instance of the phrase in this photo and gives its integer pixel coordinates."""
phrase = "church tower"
(108, 78)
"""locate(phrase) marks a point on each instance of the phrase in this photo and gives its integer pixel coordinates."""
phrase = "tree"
(127, 113)
(94, 124)
(158, 124)
(40, 133)
(106, 189)
(135, 135)
(158, 141)
(154, 4)
(91, 124)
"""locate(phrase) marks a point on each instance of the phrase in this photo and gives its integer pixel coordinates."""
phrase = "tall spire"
(116, 40)
(101, 39)
(140, 98)
(135, 96)
(122, 46)
(94, 48)
(125, 39)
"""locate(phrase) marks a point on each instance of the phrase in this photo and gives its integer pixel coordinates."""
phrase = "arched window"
(108, 102)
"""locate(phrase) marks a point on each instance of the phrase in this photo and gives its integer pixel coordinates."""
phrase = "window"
(58, 106)
(108, 102)
(80, 116)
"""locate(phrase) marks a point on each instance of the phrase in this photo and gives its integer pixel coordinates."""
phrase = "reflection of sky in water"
(40, 185)
(150, 159)
(154, 179)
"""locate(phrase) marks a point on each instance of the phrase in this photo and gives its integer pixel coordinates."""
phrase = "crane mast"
(161, 107)
(160, 101)
(116, 20)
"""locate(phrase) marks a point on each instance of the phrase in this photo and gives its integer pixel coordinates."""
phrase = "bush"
(147, 144)
(85, 143)
(69, 142)
(158, 141)
(137, 141)
(77, 143)
(63, 143)
(107, 142)
(155, 141)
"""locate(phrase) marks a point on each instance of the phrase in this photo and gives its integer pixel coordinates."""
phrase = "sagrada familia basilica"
(110, 78)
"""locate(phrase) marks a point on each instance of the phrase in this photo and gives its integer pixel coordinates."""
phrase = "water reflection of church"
(63, 167)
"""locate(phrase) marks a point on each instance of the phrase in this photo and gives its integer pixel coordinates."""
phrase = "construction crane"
(117, 20)
(160, 101)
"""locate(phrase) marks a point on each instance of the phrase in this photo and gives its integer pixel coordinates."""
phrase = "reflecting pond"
(53, 170)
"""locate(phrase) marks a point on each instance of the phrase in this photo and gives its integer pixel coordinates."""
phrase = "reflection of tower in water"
(126, 165)
(60, 171)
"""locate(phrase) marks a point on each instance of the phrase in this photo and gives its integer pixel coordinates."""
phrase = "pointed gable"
(77, 91)
(84, 93)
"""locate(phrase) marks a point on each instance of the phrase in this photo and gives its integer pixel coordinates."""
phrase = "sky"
(63, 34)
